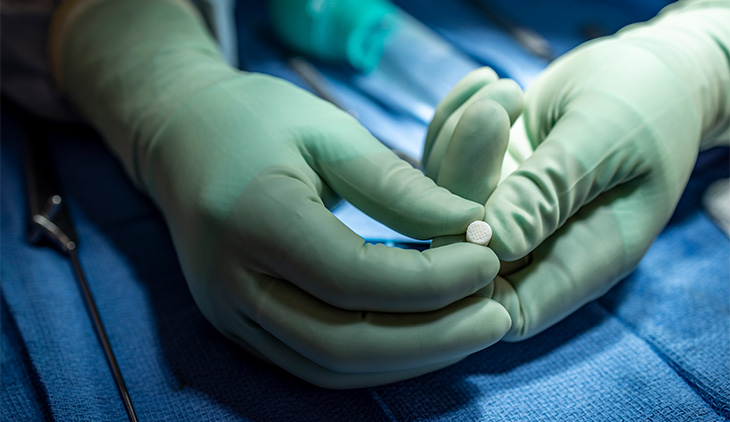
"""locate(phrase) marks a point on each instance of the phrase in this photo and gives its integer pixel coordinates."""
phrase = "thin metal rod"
(101, 333)
(526, 37)
(49, 219)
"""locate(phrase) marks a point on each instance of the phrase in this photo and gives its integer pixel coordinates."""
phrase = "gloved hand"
(598, 161)
(243, 167)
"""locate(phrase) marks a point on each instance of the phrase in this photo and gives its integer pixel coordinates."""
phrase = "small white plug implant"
(479, 232)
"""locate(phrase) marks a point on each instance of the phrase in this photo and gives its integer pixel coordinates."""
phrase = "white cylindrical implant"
(479, 232)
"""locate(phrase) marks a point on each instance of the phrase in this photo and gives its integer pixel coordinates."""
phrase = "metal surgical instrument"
(49, 219)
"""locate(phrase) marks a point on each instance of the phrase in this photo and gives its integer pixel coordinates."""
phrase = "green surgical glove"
(598, 161)
(243, 167)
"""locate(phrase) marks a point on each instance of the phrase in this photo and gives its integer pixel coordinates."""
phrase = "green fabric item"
(243, 167)
(350, 31)
(597, 162)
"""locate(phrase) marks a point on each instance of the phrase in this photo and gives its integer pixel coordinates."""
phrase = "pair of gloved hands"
(244, 166)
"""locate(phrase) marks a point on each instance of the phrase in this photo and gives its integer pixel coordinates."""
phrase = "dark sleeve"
(26, 76)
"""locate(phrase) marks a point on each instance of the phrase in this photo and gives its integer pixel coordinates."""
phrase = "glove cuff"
(693, 38)
(130, 65)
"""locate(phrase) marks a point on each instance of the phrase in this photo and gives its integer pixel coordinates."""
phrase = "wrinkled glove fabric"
(598, 160)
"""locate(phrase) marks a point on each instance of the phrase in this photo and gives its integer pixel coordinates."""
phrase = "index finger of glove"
(281, 228)
(472, 164)
(398, 195)
(571, 167)
(467, 86)
(504, 92)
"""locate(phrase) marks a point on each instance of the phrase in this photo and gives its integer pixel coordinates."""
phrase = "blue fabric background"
(656, 347)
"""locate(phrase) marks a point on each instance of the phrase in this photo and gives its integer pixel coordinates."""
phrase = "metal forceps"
(49, 220)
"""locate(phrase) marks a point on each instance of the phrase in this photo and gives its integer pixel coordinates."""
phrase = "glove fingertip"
(462, 213)
(469, 85)
(513, 101)
(497, 322)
